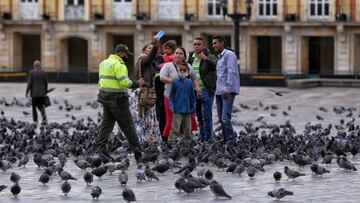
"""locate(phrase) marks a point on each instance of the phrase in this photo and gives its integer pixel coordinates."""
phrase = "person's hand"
(141, 82)
(155, 42)
(198, 89)
(201, 56)
(226, 95)
(171, 80)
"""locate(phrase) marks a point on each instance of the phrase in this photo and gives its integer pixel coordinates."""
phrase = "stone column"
(49, 51)
(4, 50)
(342, 53)
(290, 59)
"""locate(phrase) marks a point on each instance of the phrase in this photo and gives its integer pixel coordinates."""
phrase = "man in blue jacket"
(182, 103)
(227, 85)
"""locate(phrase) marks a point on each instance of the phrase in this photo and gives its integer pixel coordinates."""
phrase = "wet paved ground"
(338, 186)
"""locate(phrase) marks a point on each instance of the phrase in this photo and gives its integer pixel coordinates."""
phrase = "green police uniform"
(113, 86)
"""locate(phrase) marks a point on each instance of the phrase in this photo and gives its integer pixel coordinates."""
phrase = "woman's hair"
(144, 48)
(184, 51)
(171, 44)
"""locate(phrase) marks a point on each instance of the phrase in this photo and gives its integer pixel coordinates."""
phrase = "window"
(217, 8)
(267, 8)
(75, 2)
(319, 8)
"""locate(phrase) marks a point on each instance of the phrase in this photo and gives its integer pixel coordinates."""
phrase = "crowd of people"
(185, 87)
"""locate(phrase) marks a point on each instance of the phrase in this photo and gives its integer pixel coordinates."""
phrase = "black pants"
(121, 114)
(38, 102)
(160, 108)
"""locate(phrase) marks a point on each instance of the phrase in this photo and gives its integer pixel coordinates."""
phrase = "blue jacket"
(182, 96)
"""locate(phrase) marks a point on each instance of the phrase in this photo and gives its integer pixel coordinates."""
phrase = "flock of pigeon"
(52, 146)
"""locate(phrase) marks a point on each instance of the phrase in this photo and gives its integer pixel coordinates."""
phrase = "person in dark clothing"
(204, 65)
(160, 88)
(37, 86)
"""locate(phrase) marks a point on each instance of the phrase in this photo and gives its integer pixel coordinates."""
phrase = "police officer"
(113, 94)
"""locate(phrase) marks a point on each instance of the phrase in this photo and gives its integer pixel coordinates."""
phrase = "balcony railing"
(74, 12)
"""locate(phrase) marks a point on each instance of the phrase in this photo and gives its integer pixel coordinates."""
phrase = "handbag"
(147, 97)
(47, 101)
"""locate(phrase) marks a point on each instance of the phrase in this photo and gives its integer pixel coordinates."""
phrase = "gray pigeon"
(3, 187)
(251, 171)
(23, 161)
(239, 169)
(44, 178)
(140, 174)
(150, 174)
(128, 195)
(123, 178)
(65, 187)
(318, 170)
(277, 176)
(4, 165)
(64, 175)
(88, 178)
(218, 190)
(292, 174)
(15, 189)
(95, 192)
(15, 178)
(279, 193)
(345, 164)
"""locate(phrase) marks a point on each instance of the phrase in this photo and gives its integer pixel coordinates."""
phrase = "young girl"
(168, 49)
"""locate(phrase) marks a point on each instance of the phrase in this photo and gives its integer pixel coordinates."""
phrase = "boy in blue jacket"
(182, 103)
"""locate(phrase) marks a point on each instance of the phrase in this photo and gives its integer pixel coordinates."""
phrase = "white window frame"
(263, 4)
(322, 4)
(214, 3)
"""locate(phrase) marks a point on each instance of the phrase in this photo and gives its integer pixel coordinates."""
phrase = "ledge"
(322, 82)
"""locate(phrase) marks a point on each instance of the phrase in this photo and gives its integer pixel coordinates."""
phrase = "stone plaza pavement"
(301, 105)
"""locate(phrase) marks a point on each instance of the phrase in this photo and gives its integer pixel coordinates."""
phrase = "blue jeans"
(204, 104)
(224, 110)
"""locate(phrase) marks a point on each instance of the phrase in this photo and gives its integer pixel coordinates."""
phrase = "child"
(168, 49)
(182, 102)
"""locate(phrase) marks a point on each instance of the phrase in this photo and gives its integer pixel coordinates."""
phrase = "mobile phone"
(160, 34)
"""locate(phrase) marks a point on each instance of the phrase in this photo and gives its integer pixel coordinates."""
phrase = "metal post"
(236, 20)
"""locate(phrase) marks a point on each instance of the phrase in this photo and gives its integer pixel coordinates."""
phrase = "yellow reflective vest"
(113, 75)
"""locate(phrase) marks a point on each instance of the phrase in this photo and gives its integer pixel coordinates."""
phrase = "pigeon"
(99, 171)
(4, 165)
(218, 190)
(209, 174)
(15, 189)
(15, 178)
(65, 187)
(140, 174)
(161, 168)
(178, 183)
(95, 192)
(318, 170)
(292, 174)
(345, 164)
(277, 176)
(128, 195)
(123, 178)
(187, 186)
(44, 178)
(327, 159)
(279, 193)
(88, 178)
(278, 93)
(251, 171)
(150, 174)
(3, 187)
(23, 161)
(82, 164)
(319, 118)
(239, 169)
(64, 175)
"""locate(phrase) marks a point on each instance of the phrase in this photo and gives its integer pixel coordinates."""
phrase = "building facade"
(320, 37)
